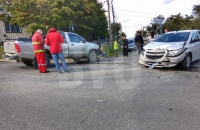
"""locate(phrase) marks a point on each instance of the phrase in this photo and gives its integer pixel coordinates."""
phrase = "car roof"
(182, 31)
(130, 38)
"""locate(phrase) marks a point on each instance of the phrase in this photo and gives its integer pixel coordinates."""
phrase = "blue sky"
(138, 13)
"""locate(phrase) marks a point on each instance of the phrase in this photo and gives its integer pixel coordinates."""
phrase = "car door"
(77, 46)
(65, 47)
(195, 45)
(198, 45)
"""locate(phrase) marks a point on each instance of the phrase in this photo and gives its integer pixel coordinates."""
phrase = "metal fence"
(101, 42)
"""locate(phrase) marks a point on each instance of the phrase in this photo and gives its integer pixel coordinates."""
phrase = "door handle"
(72, 44)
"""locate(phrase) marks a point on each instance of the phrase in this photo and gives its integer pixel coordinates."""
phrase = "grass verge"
(1, 52)
(110, 52)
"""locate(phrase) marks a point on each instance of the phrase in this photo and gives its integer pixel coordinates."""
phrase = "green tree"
(174, 22)
(116, 28)
(196, 14)
(90, 19)
(87, 15)
(196, 10)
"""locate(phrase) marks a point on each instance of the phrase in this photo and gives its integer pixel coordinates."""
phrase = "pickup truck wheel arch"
(27, 62)
(35, 64)
(92, 57)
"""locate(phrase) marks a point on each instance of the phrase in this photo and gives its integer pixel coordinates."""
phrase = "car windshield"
(174, 37)
(130, 41)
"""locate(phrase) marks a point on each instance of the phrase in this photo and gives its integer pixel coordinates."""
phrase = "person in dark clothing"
(139, 42)
(125, 46)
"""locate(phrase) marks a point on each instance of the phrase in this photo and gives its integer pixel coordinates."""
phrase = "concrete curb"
(4, 60)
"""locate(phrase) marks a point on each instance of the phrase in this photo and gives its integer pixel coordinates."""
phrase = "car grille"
(155, 55)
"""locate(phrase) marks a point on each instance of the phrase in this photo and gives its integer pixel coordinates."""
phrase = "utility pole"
(142, 30)
(114, 20)
(160, 19)
(110, 30)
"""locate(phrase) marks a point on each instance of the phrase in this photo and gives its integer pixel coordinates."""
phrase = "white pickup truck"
(74, 47)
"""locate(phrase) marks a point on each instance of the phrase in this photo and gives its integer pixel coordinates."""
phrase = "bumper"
(132, 48)
(8, 56)
(163, 62)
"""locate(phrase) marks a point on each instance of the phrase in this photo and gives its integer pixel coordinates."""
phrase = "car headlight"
(177, 52)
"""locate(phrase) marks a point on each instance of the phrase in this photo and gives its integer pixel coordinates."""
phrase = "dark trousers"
(116, 53)
(125, 51)
(139, 47)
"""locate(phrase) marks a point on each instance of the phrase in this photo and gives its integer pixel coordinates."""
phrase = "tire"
(35, 64)
(77, 60)
(92, 56)
(27, 62)
(48, 63)
(186, 63)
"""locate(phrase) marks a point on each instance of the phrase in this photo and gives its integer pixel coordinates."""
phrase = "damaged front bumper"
(163, 61)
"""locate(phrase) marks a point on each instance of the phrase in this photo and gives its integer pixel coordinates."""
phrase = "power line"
(137, 12)
(134, 15)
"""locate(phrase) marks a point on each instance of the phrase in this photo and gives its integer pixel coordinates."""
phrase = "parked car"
(172, 48)
(131, 44)
(74, 47)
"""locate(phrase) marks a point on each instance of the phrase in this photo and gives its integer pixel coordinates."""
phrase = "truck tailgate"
(9, 47)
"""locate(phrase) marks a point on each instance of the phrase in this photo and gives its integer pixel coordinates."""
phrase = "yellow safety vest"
(115, 45)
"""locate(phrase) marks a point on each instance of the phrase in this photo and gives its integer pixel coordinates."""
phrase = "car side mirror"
(83, 41)
(195, 40)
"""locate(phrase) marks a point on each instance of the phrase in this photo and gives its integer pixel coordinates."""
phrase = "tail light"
(17, 48)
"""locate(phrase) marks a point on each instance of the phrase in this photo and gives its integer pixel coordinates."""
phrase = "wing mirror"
(83, 41)
(195, 40)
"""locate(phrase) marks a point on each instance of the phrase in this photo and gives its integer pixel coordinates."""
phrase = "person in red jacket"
(54, 40)
(38, 48)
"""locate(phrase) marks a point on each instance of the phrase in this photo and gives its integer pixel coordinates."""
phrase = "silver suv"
(171, 49)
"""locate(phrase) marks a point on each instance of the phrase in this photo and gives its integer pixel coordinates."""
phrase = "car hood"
(164, 45)
(92, 45)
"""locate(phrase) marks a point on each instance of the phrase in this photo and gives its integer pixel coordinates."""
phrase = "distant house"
(9, 32)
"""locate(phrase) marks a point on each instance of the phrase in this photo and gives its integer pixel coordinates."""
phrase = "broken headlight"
(177, 52)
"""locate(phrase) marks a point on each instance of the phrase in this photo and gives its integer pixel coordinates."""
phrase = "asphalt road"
(115, 94)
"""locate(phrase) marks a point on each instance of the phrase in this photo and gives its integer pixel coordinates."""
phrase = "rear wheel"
(48, 63)
(27, 62)
(186, 63)
(92, 56)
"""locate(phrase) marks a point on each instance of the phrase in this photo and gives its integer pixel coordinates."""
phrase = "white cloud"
(168, 1)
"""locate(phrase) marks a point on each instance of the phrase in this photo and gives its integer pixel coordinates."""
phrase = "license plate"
(153, 65)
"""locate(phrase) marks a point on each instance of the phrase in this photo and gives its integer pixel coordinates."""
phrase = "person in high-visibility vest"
(116, 47)
(38, 48)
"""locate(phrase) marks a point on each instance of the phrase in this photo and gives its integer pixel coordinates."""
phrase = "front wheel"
(92, 56)
(186, 63)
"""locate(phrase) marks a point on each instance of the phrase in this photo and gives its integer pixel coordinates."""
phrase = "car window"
(130, 41)
(75, 38)
(194, 36)
(199, 33)
(174, 37)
